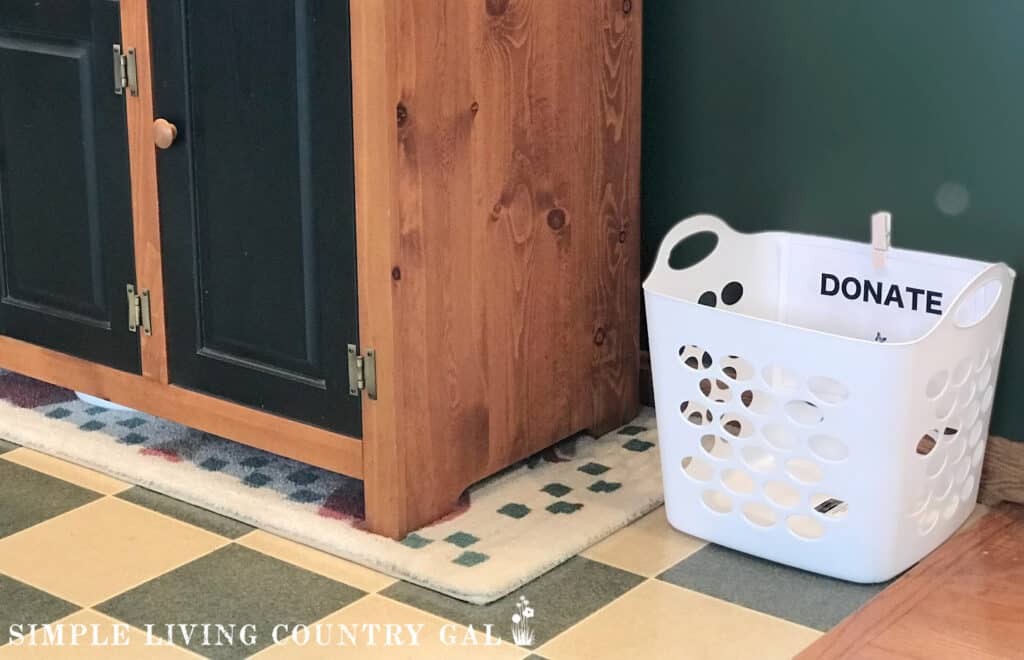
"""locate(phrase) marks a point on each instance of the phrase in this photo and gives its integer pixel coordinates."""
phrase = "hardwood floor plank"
(965, 600)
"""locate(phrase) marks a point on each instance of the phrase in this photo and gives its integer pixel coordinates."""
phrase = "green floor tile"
(208, 520)
(29, 497)
(22, 604)
(806, 598)
(6, 446)
(559, 599)
(232, 585)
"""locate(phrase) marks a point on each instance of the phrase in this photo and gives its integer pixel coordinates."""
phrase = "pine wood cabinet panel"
(452, 184)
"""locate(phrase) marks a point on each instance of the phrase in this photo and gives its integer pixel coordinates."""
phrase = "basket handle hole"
(692, 250)
(977, 305)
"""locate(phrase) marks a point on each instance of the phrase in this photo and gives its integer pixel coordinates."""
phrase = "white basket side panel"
(955, 370)
(774, 438)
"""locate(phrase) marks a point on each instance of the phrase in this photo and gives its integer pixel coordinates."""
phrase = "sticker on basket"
(880, 293)
(831, 507)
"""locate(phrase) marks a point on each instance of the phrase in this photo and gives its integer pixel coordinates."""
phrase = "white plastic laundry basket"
(815, 409)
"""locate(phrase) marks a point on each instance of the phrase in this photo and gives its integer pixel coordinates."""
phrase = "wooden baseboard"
(1002, 477)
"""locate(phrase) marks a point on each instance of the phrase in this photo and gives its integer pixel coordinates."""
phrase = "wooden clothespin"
(881, 237)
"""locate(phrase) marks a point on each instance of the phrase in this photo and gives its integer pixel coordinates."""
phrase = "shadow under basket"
(816, 409)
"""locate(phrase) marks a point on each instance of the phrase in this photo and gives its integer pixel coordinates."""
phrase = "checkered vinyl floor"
(78, 547)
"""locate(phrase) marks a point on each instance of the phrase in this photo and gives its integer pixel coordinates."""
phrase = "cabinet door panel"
(65, 209)
(256, 199)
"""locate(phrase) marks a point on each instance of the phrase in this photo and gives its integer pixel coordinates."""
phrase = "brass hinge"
(126, 72)
(138, 311)
(362, 372)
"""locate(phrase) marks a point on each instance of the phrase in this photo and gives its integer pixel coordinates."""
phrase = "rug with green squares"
(507, 531)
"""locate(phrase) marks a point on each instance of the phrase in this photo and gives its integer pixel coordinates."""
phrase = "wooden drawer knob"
(164, 133)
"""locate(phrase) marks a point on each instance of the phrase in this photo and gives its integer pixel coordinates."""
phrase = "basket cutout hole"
(692, 250)
(738, 481)
(697, 469)
(978, 456)
(982, 360)
(715, 390)
(717, 501)
(986, 398)
(957, 449)
(985, 376)
(963, 470)
(829, 506)
(945, 485)
(804, 412)
(945, 404)
(804, 470)
(968, 488)
(779, 436)
(974, 436)
(732, 292)
(962, 371)
(782, 494)
(926, 444)
(977, 305)
(759, 514)
(736, 368)
(716, 447)
(950, 510)
(780, 379)
(828, 448)
(805, 527)
(828, 390)
(921, 502)
(926, 522)
(936, 385)
(972, 413)
(758, 402)
(758, 459)
(736, 426)
(936, 462)
(695, 357)
(967, 392)
(695, 414)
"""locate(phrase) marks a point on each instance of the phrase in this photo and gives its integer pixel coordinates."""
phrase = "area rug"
(508, 530)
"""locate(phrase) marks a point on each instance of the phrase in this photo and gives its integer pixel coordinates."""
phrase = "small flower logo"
(522, 632)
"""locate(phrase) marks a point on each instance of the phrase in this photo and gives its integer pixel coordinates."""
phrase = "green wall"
(808, 115)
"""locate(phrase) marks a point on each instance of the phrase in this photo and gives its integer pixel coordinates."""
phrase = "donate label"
(881, 293)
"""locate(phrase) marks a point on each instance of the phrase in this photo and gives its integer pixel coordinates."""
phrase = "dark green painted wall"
(808, 115)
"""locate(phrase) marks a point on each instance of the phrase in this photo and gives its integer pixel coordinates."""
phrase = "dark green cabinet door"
(65, 202)
(256, 202)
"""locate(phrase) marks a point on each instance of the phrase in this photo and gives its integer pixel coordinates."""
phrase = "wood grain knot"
(402, 114)
(627, 6)
(474, 107)
(622, 236)
(556, 219)
(496, 7)
(396, 273)
(599, 336)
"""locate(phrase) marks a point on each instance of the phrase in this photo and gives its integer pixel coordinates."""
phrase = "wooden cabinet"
(394, 238)
(65, 212)
(257, 207)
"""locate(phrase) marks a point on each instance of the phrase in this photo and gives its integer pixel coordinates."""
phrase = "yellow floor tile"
(378, 609)
(646, 547)
(61, 469)
(101, 549)
(313, 560)
(660, 620)
(97, 630)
